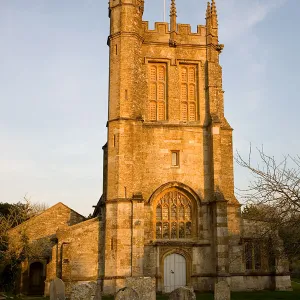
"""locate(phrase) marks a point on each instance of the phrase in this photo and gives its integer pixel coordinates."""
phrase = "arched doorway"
(174, 272)
(36, 279)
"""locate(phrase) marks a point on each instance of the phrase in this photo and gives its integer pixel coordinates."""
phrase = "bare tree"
(16, 248)
(273, 196)
(275, 184)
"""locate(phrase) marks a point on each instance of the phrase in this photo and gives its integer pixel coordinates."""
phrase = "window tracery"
(173, 216)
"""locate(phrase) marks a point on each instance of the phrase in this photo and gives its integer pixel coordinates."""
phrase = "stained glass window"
(181, 230)
(165, 213)
(166, 230)
(188, 230)
(158, 213)
(174, 212)
(181, 212)
(188, 213)
(174, 216)
(158, 230)
(174, 230)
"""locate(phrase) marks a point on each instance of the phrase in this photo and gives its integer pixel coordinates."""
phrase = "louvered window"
(188, 97)
(157, 92)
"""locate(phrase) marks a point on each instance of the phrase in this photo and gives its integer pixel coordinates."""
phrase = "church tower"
(168, 208)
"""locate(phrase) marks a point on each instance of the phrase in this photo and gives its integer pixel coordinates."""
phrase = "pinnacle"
(213, 8)
(142, 4)
(208, 10)
(173, 11)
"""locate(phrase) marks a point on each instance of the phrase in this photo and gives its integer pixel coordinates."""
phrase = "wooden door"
(174, 272)
(36, 279)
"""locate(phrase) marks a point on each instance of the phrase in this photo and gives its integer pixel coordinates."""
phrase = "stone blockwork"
(75, 257)
(169, 146)
(48, 222)
(41, 230)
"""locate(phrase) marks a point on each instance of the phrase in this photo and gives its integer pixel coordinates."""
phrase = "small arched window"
(173, 216)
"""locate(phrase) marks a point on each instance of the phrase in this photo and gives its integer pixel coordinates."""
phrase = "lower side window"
(253, 255)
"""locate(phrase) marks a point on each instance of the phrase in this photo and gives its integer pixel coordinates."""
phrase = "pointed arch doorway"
(174, 272)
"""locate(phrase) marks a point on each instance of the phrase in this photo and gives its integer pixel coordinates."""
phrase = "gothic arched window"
(173, 216)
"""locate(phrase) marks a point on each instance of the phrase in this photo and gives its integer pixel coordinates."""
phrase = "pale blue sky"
(54, 79)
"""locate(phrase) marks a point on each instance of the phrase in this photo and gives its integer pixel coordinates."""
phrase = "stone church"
(168, 209)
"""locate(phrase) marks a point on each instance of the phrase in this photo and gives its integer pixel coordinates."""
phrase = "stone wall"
(48, 222)
(251, 283)
(41, 229)
(75, 258)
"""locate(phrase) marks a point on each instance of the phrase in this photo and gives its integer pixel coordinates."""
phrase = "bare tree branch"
(273, 195)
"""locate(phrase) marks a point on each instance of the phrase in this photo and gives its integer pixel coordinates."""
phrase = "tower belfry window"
(157, 92)
(188, 89)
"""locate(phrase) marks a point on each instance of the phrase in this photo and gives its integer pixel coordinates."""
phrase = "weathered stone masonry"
(169, 151)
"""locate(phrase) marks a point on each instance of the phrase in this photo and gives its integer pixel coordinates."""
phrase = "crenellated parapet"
(176, 34)
(183, 34)
(170, 33)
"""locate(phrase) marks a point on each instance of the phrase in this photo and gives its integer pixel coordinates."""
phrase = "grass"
(296, 279)
(296, 285)
(263, 295)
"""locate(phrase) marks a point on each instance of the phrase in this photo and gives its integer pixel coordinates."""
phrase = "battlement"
(159, 27)
(113, 3)
(184, 35)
